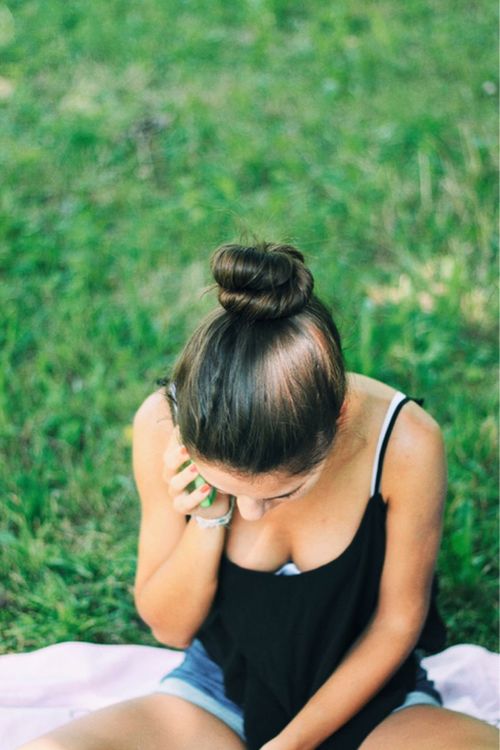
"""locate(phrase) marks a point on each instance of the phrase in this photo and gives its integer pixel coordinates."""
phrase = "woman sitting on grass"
(302, 587)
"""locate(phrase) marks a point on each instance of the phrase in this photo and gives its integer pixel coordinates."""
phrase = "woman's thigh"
(151, 722)
(432, 728)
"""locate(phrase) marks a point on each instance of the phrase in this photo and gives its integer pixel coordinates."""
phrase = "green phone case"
(198, 482)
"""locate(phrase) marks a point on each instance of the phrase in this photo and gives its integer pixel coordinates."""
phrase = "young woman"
(304, 594)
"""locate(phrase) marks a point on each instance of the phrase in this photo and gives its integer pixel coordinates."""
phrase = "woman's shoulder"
(153, 415)
(373, 398)
(414, 432)
(416, 443)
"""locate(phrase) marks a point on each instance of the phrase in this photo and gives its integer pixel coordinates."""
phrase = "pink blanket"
(42, 689)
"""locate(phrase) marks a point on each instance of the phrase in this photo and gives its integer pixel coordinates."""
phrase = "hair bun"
(263, 282)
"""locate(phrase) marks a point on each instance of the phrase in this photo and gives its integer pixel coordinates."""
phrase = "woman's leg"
(151, 722)
(433, 728)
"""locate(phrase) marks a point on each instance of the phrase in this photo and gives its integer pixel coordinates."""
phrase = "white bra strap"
(396, 400)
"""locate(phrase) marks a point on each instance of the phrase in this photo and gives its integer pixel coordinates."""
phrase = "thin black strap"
(387, 435)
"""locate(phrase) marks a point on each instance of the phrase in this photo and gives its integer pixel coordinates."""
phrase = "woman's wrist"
(218, 508)
(212, 520)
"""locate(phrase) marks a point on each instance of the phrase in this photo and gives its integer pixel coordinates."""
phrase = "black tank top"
(278, 638)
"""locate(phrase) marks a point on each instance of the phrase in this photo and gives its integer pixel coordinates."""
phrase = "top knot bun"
(267, 281)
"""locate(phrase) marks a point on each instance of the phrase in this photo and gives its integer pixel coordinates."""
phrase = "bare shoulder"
(415, 431)
(154, 414)
(416, 446)
(152, 431)
(379, 395)
(415, 462)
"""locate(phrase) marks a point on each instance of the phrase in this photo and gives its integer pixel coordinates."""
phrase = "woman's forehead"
(233, 474)
(269, 483)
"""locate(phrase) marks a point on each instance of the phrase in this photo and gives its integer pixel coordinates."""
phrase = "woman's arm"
(414, 527)
(178, 562)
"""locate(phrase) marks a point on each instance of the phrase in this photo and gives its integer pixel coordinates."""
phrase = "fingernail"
(193, 468)
(205, 488)
(184, 451)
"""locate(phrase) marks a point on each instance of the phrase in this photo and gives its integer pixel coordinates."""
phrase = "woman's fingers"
(180, 479)
(178, 473)
(186, 502)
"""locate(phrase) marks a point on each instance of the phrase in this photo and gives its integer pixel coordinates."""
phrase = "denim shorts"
(199, 680)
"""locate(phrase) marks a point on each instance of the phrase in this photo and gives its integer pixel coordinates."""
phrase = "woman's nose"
(250, 510)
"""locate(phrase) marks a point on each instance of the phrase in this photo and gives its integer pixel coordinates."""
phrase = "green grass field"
(136, 138)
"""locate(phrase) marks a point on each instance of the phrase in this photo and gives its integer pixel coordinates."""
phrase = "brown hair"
(260, 383)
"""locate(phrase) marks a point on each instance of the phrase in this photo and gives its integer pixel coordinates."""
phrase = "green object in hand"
(207, 502)
(196, 483)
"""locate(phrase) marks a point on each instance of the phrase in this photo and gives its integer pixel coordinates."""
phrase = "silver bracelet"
(210, 523)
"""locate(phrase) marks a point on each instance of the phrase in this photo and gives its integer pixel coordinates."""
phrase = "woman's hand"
(178, 479)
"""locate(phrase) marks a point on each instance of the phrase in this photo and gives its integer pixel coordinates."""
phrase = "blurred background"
(134, 138)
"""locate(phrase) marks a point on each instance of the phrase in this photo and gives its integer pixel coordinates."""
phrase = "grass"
(133, 140)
